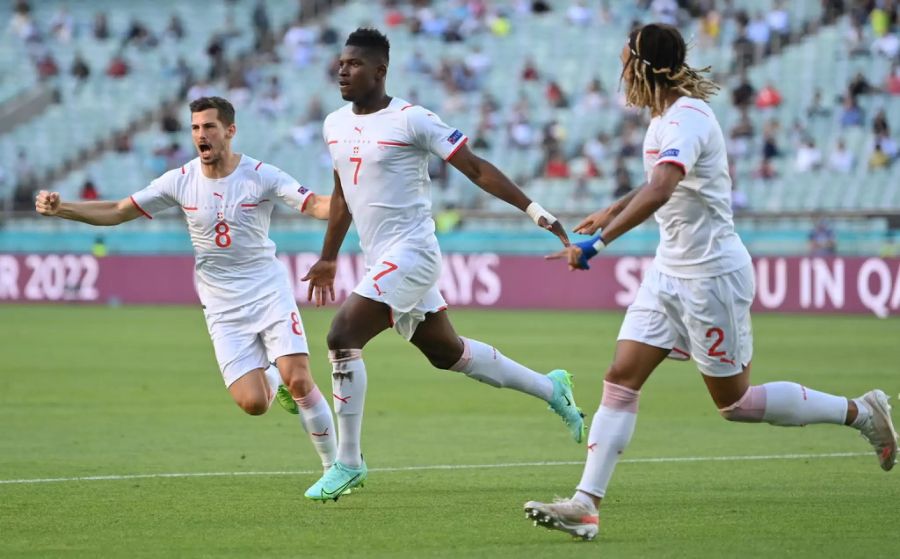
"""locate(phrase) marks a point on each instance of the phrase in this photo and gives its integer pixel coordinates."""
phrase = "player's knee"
(254, 406)
(339, 335)
(299, 382)
(616, 374)
(750, 408)
(441, 359)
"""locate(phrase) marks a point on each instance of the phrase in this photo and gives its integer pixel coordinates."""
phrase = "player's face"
(358, 74)
(625, 56)
(211, 138)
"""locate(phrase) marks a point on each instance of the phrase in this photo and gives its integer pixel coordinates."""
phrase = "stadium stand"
(546, 111)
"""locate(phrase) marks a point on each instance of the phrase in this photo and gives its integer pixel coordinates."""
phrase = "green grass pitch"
(94, 391)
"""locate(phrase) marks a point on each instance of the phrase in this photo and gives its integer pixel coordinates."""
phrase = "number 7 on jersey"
(358, 161)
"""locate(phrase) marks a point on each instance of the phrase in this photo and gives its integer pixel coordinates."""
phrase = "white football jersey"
(228, 220)
(696, 225)
(382, 161)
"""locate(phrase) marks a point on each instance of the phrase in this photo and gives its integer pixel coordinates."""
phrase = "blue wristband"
(588, 251)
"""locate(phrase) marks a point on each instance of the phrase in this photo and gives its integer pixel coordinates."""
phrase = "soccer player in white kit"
(380, 147)
(695, 299)
(227, 200)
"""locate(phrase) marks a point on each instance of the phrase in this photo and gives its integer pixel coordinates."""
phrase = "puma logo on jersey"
(219, 195)
(358, 129)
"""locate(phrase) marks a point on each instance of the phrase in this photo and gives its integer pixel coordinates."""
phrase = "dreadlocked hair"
(657, 64)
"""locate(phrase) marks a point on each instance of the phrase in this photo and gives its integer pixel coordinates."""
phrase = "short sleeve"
(430, 133)
(158, 196)
(682, 135)
(285, 187)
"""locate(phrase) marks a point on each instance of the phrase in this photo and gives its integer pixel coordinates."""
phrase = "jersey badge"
(455, 137)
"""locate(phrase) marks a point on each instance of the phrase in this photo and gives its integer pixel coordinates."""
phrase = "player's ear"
(381, 71)
(231, 130)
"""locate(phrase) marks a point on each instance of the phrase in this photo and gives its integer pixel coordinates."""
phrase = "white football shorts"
(253, 335)
(405, 279)
(704, 318)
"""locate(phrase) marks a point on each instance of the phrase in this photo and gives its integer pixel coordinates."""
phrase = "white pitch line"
(673, 459)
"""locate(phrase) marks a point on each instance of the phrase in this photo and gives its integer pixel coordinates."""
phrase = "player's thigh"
(281, 328)
(251, 392)
(358, 320)
(436, 338)
(237, 344)
(634, 362)
(716, 312)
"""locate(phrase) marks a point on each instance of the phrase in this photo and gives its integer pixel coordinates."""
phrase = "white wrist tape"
(536, 212)
(599, 245)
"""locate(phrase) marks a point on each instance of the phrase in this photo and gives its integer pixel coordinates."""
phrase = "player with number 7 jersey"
(380, 147)
(227, 200)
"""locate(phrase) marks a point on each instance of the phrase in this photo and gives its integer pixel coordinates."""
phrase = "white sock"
(316, 419)
(863, 413)
(611, 431)
(484, 363)
(273, 379)
(790, 404)
(348, 384)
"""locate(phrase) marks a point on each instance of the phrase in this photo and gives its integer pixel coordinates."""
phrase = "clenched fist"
(47, 203)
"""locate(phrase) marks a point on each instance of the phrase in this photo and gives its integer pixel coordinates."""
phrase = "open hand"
(573, 256)
(321, 280)
(594, 222)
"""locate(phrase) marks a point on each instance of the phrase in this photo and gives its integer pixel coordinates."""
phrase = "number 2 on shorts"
(720, 337)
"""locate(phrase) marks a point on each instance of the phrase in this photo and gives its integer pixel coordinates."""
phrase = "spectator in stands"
(579, 14)
(139, 35)
(744, 50)
(760, 34)
(175, 28)
(328, 35)
(816, 109)
(26, 182)
(854, 39)
(768, 97)
(583, 165)
(841, 159)
(417, 64)
(62, 25)
(809, 158)
(859, 85)
(555, 95)
(556, 166)
(879, 159)
(100, 27)
(46, 66)
(597, 148)
(822, 240)
(478, 62)
(89, 191)
(521, 133)
(594, 97)
(880, 124)
(779, 22)
(200, 89)
(169, 123)
(540, 7)
(892, 84)
(766, 170)
(262, 40)
(529, 71)
(887, 46)
(851, 114)
(300, 41)
(622, 177)
(447, 219)
(770, 147)
(739, 200)
(741, 136)
(710, 27)
(743, 94)
(272, 104)
(118, 66)
(665, 11)
(888, 145)
(80, 69)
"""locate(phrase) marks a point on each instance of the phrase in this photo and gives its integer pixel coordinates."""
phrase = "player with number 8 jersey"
(227, 200)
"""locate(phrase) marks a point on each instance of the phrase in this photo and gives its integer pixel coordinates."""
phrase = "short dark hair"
(370, 39)
(224, 108)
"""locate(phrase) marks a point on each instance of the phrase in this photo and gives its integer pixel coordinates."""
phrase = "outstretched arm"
(601, 218)
(643, 202)
(318, 206)
(94, 213)
(321, 274)
(494, 182)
